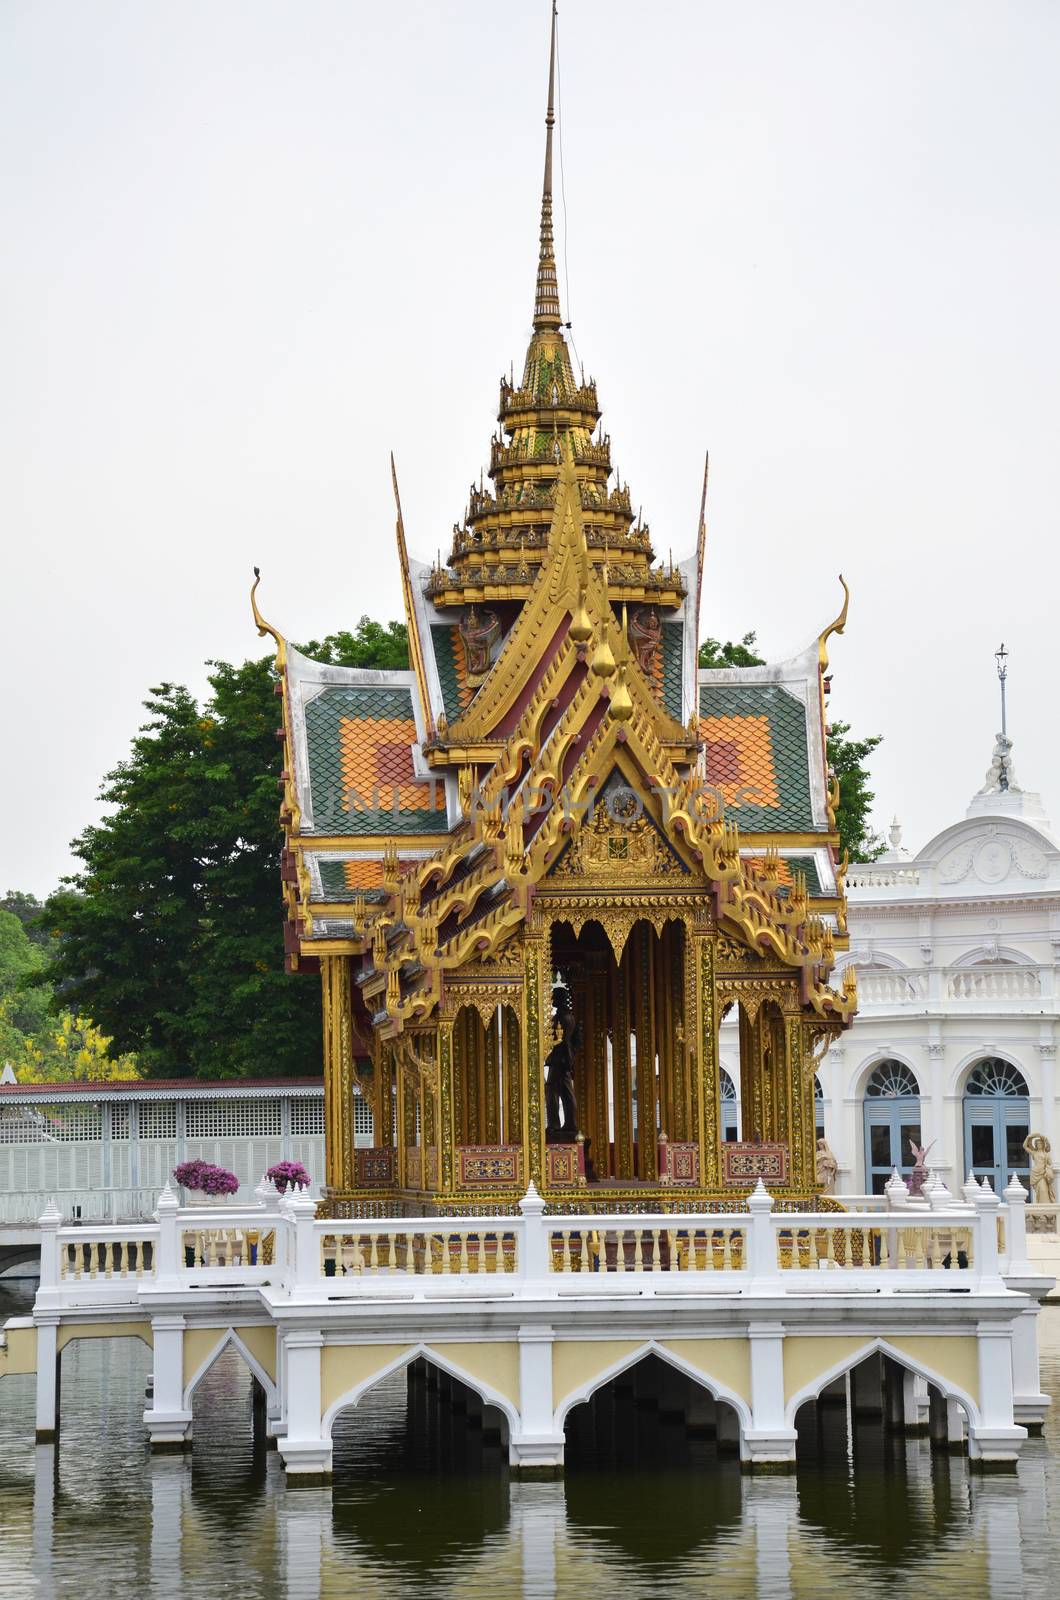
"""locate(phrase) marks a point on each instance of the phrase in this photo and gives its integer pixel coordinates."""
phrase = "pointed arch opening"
(422, 1413)
(631, 1076)
(651, 1407)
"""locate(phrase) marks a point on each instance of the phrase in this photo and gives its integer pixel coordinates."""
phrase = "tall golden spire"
(546, 297)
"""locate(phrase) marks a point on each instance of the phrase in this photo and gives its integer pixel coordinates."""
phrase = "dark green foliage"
(847, 757)
(712, 653)
(27, 908)
(171, 934)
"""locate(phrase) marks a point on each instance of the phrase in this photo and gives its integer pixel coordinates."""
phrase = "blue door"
(892, 1123)
(728, 1108)
(996, 1122)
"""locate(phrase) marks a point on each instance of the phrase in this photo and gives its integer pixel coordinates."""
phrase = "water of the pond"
(431, 1511)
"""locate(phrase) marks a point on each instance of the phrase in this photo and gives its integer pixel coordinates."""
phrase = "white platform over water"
(532, 1313)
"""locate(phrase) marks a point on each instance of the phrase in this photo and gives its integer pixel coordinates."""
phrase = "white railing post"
(533, 1246)
(765, 1275)
(1015, 1197)
(49, 1222)
(168, 1261)
(987, 1260)
(304, 1259)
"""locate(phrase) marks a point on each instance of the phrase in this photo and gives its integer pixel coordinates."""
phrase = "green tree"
(848, 758)
(40, 1046)
(27, 908)
(24, 1000)
(170, 936)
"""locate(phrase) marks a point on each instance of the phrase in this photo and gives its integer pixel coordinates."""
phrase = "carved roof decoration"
(553, 671)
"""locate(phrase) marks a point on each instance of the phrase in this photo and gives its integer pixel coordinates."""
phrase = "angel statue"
(918, 1176)
(827, 1167)
(1043, 1172)
(645, 631)
(478, 636)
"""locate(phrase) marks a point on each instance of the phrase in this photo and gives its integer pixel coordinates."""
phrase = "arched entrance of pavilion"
(632, 1081)
(487, 1076)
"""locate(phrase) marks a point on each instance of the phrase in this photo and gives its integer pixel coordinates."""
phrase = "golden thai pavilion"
(536, 870)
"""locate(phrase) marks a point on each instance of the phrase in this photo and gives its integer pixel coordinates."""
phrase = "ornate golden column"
(703, 1063)
(537, 1011)
(751, 1099)
(491, 1097)
(620, 1066)
(336, 1000)
(446, 1119)
(513, 1076)
(640, 942)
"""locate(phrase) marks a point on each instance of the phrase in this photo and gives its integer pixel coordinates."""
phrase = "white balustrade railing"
(282, 1244)
(995, 983)
(891, 988)
(867, 876)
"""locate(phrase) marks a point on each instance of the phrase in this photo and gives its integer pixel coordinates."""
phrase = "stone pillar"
(866, 1387)
(167, 1420)
(306, 1453)
(769, 1444)
(47, 1378)
(914, 1403)
(1028, 1401)
(535, 1448)
(946, 1423)
(994, 1442)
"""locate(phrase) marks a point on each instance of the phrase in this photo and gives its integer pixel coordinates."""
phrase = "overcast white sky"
(251, 247)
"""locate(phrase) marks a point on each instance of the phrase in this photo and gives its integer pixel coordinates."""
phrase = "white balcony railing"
(943, 988)
(281, 1246)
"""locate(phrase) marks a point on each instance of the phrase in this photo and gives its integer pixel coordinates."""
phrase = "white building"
(956, 951)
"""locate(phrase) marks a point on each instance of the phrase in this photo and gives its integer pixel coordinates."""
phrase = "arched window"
(818, 1106)
(891, 1080)
(996, 1121)
(728, 1107)
(892, 1122)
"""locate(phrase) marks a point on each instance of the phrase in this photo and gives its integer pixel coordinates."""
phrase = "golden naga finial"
(264, 627)
(838, 626)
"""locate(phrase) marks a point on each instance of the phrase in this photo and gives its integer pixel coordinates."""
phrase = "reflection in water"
(422, 1502)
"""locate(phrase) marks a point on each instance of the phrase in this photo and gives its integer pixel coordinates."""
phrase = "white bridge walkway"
(533, 1313)
(101, 1152)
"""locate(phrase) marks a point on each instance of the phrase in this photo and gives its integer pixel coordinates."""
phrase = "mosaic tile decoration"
(341, 880)
(790, 865)
(678, 1163)
(451, 661)
(360, 742)
(756, 754)
(374, 1168)
(479, 1164)
(743, 1164)
(564, 1165)
(673, 647)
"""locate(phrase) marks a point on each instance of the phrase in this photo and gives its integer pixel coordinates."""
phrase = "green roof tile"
(359, 742)
(756, 748)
